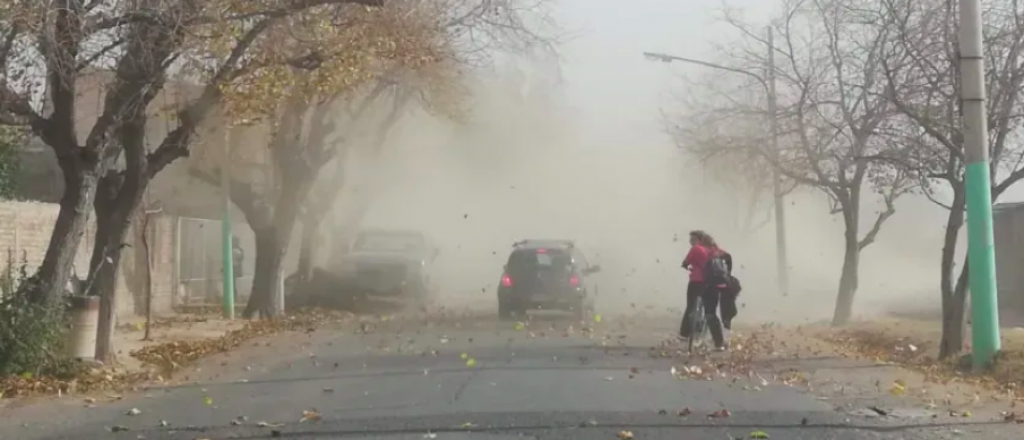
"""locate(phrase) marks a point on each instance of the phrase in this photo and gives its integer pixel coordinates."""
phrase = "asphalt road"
(456, 378)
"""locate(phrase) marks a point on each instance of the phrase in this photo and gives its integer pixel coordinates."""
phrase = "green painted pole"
(227, 268)
(980, 242)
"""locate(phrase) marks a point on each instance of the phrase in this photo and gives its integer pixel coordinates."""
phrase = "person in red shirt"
(702, 249)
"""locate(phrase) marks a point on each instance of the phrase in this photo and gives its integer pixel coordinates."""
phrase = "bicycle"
(698, 326)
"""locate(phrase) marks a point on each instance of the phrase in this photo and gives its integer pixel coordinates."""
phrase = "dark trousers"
(729, 310)
(709, 295)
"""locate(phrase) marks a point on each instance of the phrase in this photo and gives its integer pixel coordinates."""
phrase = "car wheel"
(583, 311)
(504, 311)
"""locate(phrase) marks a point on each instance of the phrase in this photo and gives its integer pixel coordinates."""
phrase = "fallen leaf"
(625, 435)
(720, 414)
(898, 389)
(310, 415)
(208, 401)
(684, 412)
(470, 362)
(597, 318)
(133, 412)
(758, 435)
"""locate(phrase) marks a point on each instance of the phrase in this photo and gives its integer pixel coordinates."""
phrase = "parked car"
(377, 264)
(549, 275)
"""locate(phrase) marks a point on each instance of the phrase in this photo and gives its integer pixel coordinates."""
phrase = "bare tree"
(215, 44)
(322, 197)
(923, 82)
(831, 111)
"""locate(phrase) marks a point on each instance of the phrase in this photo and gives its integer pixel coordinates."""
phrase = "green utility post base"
(228, 297)
(982, 260)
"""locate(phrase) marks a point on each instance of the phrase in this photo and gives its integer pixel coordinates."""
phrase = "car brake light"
(542, 251)
(574, 281)
(506, 281)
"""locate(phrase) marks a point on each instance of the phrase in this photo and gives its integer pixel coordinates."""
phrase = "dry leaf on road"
(310, 415)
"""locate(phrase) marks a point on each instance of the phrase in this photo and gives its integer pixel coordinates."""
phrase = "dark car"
(548, 275)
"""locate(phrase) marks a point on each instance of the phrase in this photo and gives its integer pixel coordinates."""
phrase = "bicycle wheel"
(697, 326)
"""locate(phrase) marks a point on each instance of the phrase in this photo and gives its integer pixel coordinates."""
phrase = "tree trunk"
(114, 218)
(272, 240)
(847, 284)
(307, 248)
(75, 204)
(266, 275)
(115, 208)
(953, 296)
(954, 317)
(147, 269)
(851, 263)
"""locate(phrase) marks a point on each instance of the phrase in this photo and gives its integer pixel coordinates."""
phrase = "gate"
(200, 278)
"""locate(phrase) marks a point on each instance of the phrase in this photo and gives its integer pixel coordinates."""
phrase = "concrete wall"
(1008, 228)
(25, 229)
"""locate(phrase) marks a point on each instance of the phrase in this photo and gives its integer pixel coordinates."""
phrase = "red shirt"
(696, 259)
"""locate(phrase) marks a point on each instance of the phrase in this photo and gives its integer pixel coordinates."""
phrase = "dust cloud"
(527, 164)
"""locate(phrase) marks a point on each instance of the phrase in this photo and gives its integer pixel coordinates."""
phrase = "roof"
(1007, 207)
(543, 243)
(384, 231)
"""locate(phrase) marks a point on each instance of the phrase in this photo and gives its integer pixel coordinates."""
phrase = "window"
(530, 259)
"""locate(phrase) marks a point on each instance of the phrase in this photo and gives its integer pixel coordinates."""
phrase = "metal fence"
(200, 275)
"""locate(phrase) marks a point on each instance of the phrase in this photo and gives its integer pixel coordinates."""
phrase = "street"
(457, 375)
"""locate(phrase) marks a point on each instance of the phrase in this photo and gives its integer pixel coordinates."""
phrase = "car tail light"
(574, 281)
(506, 281)
(542, 251)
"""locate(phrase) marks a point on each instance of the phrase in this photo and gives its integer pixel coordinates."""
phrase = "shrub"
(32, 339)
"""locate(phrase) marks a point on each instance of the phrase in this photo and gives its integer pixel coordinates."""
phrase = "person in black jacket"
(727, 292)
(730, 293)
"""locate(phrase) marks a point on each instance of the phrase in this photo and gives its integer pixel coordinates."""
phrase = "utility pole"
(227, 268)
(781, 258)
(980, 242)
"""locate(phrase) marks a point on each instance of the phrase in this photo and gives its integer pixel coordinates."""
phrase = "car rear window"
(387, 242)
(532, 260)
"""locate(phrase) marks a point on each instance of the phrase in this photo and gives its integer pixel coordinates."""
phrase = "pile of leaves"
(84, 381)
(172, 356)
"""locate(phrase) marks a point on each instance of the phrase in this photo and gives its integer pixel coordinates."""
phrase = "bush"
(32, 339)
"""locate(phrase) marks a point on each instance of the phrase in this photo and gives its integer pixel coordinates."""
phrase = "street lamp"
(781, 259)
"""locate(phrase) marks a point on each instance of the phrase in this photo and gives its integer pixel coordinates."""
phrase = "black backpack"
(716, 271)
(733, 287)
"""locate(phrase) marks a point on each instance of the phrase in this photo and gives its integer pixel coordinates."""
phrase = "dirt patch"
(914, 344)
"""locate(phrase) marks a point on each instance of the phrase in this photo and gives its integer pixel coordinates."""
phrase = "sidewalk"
(911, 346)
(175, 343)
(128, 337)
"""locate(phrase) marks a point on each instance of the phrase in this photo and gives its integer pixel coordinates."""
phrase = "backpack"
(716, 271)
(733, 287)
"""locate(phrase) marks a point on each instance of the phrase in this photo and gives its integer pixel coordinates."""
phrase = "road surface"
(475, 377)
